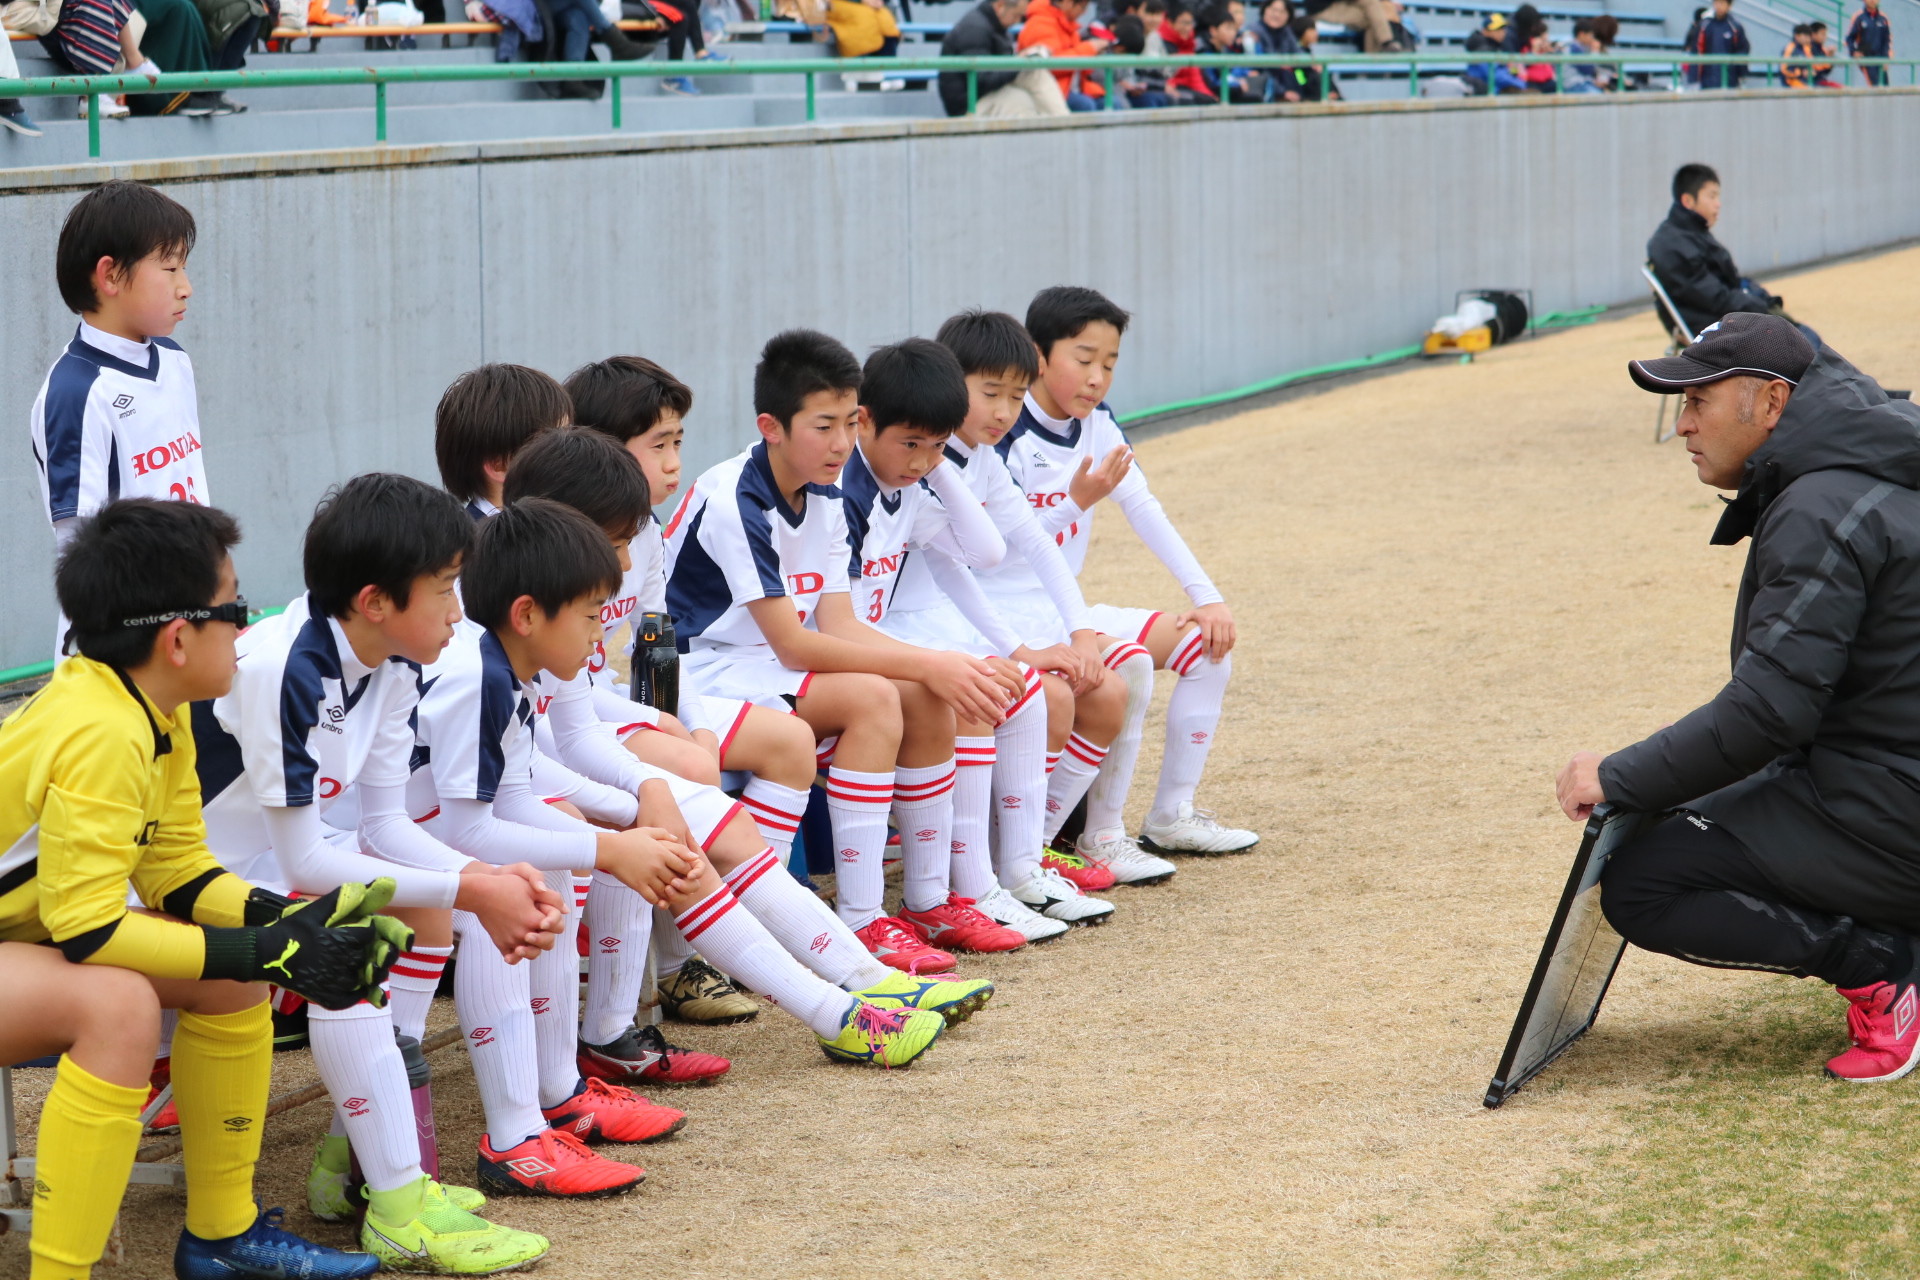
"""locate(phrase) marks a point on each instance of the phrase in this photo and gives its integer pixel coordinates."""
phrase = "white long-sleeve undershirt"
(312, 864)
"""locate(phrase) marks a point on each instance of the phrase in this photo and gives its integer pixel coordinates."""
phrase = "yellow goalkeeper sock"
(222, 1066)
(89, 1131)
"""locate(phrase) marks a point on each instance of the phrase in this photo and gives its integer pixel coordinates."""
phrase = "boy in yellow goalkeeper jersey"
(98, 793)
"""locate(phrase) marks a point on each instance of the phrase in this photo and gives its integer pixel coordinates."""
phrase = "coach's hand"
(1217, 631)
(1579, 785)
(1090, 484)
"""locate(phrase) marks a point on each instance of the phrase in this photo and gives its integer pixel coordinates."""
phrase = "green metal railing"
(93, 88)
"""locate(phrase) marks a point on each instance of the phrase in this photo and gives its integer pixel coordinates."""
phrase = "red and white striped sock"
(740, 947)
(1053, 761)
(858, 803)
(923, 807)
(1079, 764)
(1193, 713)
(581, 885)
(416, 976)
(1107, 798)
(777, 811)
(971, 869)
(803, 924)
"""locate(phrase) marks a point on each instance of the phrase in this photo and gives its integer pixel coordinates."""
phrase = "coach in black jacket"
(1695, 268)
(1798, 846)
(982, 33)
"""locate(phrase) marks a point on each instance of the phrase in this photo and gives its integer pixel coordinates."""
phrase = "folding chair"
(1677, 338)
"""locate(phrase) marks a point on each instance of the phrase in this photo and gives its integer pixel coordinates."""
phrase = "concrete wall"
(339, 292)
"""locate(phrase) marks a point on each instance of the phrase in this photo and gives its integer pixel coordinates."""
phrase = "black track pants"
(1688, 889)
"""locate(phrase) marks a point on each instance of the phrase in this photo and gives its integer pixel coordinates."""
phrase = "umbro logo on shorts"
(820, 944)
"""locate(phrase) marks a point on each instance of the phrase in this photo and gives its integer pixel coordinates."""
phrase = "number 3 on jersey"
(878, 607)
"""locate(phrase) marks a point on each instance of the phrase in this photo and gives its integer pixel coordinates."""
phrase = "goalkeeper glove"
(335, 950)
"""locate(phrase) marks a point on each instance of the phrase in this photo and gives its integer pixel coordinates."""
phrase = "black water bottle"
(656, 663)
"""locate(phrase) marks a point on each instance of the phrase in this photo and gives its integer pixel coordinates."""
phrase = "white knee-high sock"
(1079, 766)
(416, 976)
(169, 1019)
(970, 870)
(670, 951)
(580, 886)
(805, 926)
(1021, 763)
(553, 980)
(1107, 799)
(923, 806)
(858, 804)
(741, 948)
(777, 811)
(361, 1066)
(1193, 713)
(491, 999)
(619, 926)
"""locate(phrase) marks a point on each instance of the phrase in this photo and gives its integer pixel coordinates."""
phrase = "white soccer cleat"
(1003, 908)
(1121, 854)
(1196, 831)
(1055, 896)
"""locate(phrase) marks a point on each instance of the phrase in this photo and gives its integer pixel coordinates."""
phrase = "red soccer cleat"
(602, 1112)
(555, 1164)
(166, 1120)
(1090, 876)
(1884, 1022)
(958, 924)
(893, 943)
(642, 1053)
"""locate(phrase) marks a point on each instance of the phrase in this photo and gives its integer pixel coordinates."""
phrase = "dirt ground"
(1447, 579)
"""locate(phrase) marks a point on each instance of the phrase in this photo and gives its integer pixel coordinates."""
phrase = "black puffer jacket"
(1697, 270)
(977, 35)
(1810, 754)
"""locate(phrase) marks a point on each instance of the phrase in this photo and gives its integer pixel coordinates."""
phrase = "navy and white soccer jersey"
(1041, 454)
(304, 721)
(117, 419)
(734, 540)
(474, 725)
(884, 526)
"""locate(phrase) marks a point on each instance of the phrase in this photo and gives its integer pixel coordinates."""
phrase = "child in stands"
(118, 415)
(758, 587)
(1067, 454)
(320, 710)
(98, 797)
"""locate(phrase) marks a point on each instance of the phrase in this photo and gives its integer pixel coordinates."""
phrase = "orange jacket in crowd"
(1048, 26)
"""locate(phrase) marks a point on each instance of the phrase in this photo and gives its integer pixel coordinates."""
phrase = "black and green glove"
(335, 950)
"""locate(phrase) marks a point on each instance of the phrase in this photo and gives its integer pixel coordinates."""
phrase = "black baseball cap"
(1744, 343)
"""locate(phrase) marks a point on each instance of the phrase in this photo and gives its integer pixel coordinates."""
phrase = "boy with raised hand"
(118, 415)
(1067, 453)
(904, 507)
(539, 573)
(757, 584)
(588, 473)
(321, 707)
(98, 795)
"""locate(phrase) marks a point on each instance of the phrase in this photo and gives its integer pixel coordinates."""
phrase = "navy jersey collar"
(1032, 420)
(862, 485)
(95, 355)
(760, 484)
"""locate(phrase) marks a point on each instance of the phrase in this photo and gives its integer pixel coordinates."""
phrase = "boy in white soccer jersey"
(118, 416)
(539, 573)
(587, 472)
(1067, 453)
(905, 507)
(321, 707)
(484, 417)
(757, 584)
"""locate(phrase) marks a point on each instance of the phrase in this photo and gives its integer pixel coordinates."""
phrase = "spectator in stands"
(1817, 40)
(1799, 45)
(1220, 33)
(578, 23)
(1690, 72)
(1271, 34)
(683, 28)
(1102, 26)
(1693, 267)
(231, 26)
(1184, 87)
(1871, 36)
(1373, 19)
(1135, 88)
(12, 114)
(1722, 34)
(1540, 76)
(1153, 15)
(91, 36)
(865, 29)
(519, 21)
(1591, 35)
(1311, 83)
(1004, 94)
(1490, 37)
(1054, 25)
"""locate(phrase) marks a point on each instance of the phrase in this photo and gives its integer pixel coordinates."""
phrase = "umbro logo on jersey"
(162, 456)
(820, 944)
(121, 402)
(481, 1035)
(336, 713)
(1040, 460)
(356, 1106)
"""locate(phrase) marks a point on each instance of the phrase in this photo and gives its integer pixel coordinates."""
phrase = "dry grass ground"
(1448, 580)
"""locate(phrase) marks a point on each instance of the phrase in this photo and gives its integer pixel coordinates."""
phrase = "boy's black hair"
(380, 530)
(1689, 178)
(1131, 35)
(1583, 26)
(486, 415)
(1802, 28)
(1066, 309)
(624, 396)
(1154, 6)
(915, 383)
(583, 469)
(540, 548)
(993, 342)
(1523, 18)
(1214, 15)
(121, 220)
(794, 365)
(136, 558)
(1816, 26)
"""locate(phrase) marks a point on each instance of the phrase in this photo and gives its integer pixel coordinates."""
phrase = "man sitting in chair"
(1695, 269)
(1796, 845)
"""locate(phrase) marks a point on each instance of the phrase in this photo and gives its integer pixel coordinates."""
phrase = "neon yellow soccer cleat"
(446, 1240)
(884, 1037)
(955, 999)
